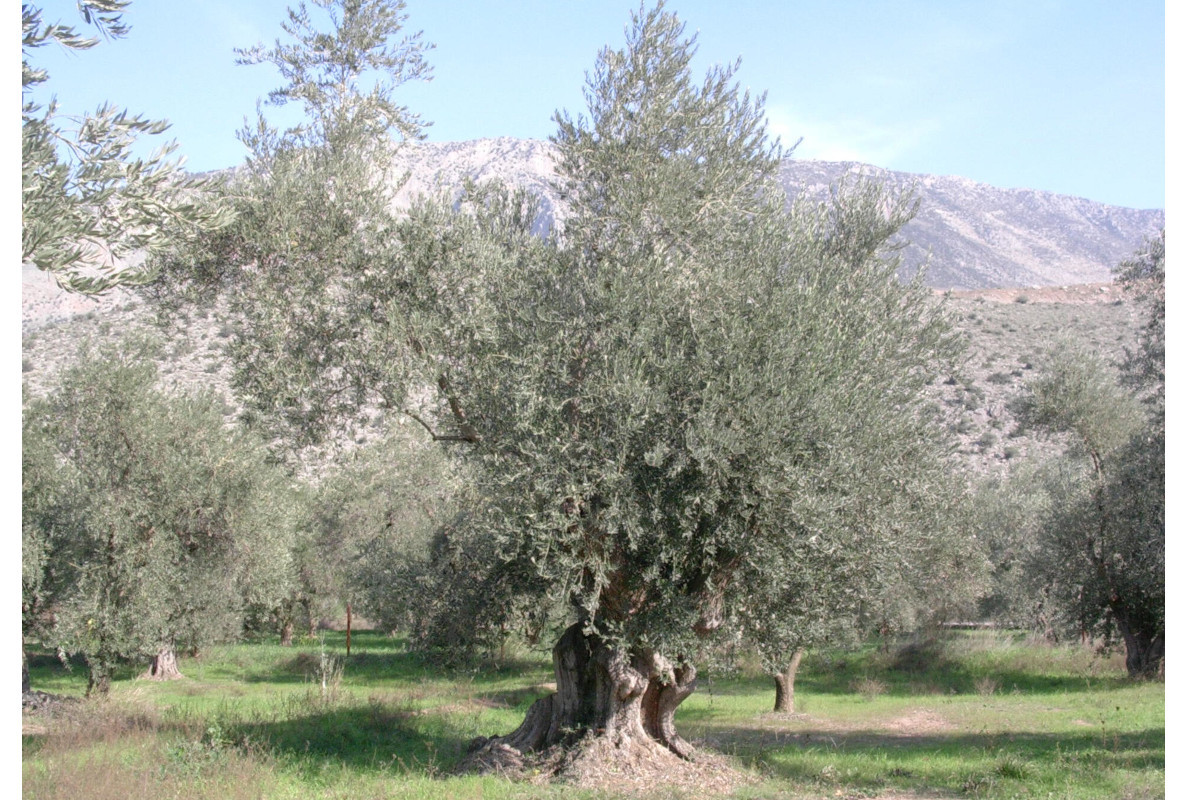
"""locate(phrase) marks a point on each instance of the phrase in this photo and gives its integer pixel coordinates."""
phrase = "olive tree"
(1008, 514)
(1145, 274)
(1102, 553)
(52, 507)
(393, 533)
(692, 385)
(813, 601)
(275, 588)
(144, 516)
(312, 216)
(660, 406)
(374, 526)
(1104, 550)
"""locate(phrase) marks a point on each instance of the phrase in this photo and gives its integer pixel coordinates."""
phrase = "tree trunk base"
(163, 667)
(613, 714)
(1145, 655)
(785, 685)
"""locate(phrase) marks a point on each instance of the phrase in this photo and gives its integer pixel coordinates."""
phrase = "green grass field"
(976, 715)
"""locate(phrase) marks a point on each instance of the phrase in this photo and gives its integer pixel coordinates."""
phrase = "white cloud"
(850, 139)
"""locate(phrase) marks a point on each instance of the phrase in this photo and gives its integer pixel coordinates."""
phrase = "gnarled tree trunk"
(286, 632)
(163, 666)
(627, 701)
(668, 687)
(785, 685)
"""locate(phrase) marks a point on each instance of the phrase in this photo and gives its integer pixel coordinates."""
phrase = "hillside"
(1011, 333)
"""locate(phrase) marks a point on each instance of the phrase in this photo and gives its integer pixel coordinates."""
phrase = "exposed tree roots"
(598, 762)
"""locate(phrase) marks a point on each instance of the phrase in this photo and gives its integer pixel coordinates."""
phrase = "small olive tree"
(1008, 515)
(144, 516)
(1145, 274)
(1103, 553)
(375, 523)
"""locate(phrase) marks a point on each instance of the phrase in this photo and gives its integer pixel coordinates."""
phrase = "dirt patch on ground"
(467, 706)
(620, 767)
(918, 723)
(651, 773)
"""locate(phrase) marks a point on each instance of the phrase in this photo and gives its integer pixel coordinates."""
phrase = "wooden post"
(347, 630)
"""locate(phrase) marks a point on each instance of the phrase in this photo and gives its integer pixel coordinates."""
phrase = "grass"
(981, 714)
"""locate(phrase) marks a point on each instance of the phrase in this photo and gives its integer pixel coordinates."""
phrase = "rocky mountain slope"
(967, 234)
(972, 236)
(1011, 335)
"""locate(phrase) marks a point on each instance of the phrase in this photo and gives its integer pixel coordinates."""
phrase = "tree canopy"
(1145, 273)
(312, 220)
(1103, 549)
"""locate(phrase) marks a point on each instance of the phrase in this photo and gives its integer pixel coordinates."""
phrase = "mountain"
(970, 235)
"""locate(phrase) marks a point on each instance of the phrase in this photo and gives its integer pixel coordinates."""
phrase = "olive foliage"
(313, 218)
(374, 525)
(89, 205)
(694, 387)
(675, 397)
(691, 400)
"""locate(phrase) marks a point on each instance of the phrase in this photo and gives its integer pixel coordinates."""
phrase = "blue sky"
(1063, 96)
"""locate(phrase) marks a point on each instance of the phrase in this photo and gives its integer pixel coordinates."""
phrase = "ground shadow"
(949, 677)
(48, 672)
